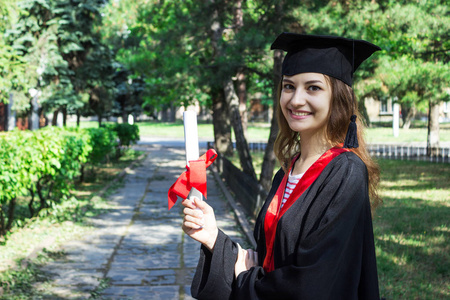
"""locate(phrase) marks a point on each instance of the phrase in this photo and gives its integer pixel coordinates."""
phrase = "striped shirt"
(290, 186)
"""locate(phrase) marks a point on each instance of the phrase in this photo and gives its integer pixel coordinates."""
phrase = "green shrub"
(128, 134)
(14, 177)
(40, 166)
(104, 144)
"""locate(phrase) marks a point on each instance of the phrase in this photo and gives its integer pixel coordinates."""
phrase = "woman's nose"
(299, 97)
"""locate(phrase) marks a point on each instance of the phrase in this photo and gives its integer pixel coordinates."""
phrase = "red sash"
(274, 213)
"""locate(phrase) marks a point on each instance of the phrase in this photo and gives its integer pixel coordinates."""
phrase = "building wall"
(379, 111)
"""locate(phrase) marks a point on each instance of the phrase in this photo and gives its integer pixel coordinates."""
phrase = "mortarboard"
(330, 55)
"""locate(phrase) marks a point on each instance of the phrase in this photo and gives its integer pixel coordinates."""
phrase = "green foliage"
(42, 166)
(14, 178)
(104, 144)
(128, 134)
(12, 65)
(64, 56)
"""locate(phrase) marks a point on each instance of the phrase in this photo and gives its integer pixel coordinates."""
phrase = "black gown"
(323, 249)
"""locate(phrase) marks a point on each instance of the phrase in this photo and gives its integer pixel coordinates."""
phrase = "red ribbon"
(193, 177)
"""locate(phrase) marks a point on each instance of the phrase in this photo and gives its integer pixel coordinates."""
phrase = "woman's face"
(305, 102)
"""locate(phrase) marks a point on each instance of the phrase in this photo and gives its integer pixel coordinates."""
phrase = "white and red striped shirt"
(290, 186)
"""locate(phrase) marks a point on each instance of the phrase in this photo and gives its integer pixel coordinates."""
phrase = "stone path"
(138, 250)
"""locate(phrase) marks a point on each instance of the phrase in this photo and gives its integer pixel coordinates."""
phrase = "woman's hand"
(200, 224)
(246, 259)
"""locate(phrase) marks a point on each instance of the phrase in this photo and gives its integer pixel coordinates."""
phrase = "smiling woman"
(314, 232)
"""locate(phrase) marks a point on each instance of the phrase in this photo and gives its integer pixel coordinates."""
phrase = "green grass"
(412, 230)
(35, 243)
(256, 132)
(260, 132)
(385, 135)
(172, 130)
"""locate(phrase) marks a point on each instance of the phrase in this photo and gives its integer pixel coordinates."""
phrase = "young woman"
(314, 233)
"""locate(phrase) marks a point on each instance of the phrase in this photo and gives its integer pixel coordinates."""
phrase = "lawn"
(412, 230)
(259, 132)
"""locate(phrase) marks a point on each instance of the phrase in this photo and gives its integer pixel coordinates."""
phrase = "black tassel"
(351, 139)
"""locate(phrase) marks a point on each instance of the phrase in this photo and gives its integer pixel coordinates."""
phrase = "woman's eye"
(288, 86)
(314, 88)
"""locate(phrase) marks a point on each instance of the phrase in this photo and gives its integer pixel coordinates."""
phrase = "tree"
(413, 35)
(129, 91)
(12, 65)
(416, 38)
(64, 56)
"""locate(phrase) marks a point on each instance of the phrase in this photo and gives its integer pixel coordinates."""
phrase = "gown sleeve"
(214, 276)
(328, 253)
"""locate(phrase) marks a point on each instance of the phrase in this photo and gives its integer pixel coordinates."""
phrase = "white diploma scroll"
(191, 144)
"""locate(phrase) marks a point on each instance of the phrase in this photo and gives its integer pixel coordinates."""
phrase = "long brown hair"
(343, 106)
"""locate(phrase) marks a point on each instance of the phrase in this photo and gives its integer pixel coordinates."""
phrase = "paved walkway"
(138, 250)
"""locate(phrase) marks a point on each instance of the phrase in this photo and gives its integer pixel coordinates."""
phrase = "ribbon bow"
(193, 177)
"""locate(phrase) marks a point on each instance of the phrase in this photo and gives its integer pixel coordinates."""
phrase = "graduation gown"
(323, 247)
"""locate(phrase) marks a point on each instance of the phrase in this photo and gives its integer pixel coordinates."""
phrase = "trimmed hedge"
(42, 165)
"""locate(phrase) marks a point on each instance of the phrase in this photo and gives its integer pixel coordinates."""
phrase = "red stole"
(274, 213)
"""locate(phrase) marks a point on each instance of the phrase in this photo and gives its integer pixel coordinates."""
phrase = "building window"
(384, 106)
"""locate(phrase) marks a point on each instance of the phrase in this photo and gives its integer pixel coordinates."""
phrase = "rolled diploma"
(191, 144)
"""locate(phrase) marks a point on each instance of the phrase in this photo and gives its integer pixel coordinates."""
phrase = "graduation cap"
(334, 56)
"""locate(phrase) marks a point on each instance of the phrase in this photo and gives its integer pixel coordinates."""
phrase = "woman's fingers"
(199, 222)
(188, 203)
(251, 258)
(240, 261)
(193, 222)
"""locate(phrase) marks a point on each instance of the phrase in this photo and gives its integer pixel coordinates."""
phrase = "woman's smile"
(300, 114)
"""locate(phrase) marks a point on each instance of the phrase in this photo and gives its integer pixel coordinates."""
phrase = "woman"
(314, 233)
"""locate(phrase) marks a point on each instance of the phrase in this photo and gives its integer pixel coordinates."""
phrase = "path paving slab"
(138, 250)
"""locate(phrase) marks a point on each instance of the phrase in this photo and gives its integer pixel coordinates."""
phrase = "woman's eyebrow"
(313, 81)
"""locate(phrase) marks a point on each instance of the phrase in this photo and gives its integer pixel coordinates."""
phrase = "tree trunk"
(82, 174)
(165, 114)
(433, 129)
(363, 111)
(222, 126)
(11, 209)
(269, 156)
(99, 119)
(172, 113)
(241, 84)
(408, 113)
(241, 143)
(124, 116)
(64, 112)
(78, 118)
(2, 221)
(242, 95)
(30, 204)
(55, 118)
(221, 120)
